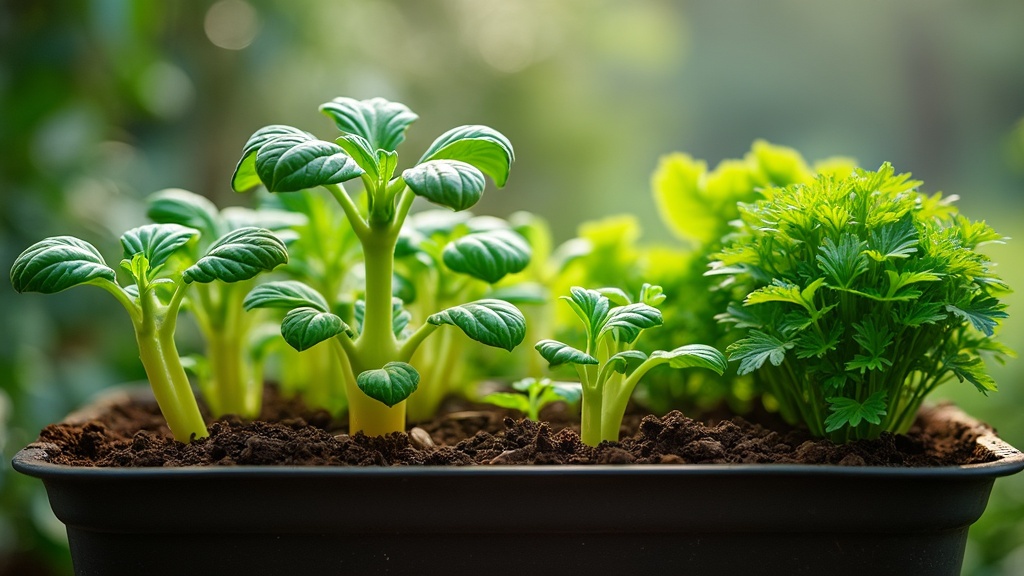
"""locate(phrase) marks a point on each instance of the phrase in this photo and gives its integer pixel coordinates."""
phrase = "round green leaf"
(390, 384)
(483, 147)
(245, 177)
(557, 353)
(380, 122)
(286, 294)
(239, 255)
(56, 264)
(177, 206)
(290, 164)
(450, 183)
(157, 242)
(306, 327)
(489, 256)
(492, 322)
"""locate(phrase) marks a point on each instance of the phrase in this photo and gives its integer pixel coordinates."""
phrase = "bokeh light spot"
(231, 24)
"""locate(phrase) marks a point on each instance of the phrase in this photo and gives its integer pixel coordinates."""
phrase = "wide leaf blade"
(239, 255)
(488, 256)
(557, 353)
(58, 263)
(492, 322)
(626, 322)
(306, 327)
(177, 206)
(287, 294)
(694, 356)
(483, 147)
(287, 165)
(450, 183)
(390, 384)
(157, 242)
(378, 121)
(245, 176)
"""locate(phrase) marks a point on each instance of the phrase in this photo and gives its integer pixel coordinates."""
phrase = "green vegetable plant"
(610, 366)
(376, 348)
(161, 277)
(228, 374)
(444, 258)
(531, 395)
(860, 296)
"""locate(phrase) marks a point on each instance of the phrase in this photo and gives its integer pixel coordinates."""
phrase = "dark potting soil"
(131, 432)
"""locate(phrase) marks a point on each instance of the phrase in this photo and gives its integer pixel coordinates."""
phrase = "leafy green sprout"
(161, 278)
(610, 367)
(532, 395)
(450, 173)
(228, 374)
(860, 297)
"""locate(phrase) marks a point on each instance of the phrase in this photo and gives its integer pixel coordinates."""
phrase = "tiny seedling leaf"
(58, 263)
(239, 255)
(390, 384)
(848, 411)
(157, 242)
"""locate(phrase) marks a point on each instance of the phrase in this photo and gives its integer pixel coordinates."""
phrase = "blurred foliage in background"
(104, 102)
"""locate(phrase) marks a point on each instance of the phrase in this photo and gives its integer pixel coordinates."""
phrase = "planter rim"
(32, 461)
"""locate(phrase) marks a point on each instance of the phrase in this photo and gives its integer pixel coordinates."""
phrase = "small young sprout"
(610, 368)
(161, 276)
(532, 395)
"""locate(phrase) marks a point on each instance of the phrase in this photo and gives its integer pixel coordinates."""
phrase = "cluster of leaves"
(376, 344)
(860, 297)
(610, 366)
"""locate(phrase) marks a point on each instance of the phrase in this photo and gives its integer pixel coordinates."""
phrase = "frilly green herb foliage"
(156, 257)
(376, 349)
(860, 296)
(610, 366)
(532, 395)
(230, 373)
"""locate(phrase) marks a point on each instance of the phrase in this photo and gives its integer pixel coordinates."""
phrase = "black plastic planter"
(616, 520)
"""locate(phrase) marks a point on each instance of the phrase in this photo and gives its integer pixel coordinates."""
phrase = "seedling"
(152, 258)
(376, 350)
(860, 297)
(532, 395)
(228, 376)
(610, 367)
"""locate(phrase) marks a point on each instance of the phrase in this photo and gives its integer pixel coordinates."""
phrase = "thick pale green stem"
(233, 387)
(590, 417)
(170, 385)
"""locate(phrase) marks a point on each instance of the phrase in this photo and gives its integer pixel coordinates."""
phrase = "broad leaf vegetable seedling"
(610, 366)
(532, 395)
(376, 352)
(861, 295)
(161, 279)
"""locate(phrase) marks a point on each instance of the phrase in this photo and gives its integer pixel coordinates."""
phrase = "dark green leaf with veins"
(557, 353)
(450, 183)
(488, 256)
(756, 349)
(972, 369)
(287, 165)
(380, 122)
(983, 313)
(306, 327)
(492, 322)
(590, 306)
(157, 242)
(245, 176)
(849, 412)
(239, 255)
(481, 146)
(177, 206)
(626, 322)
(843, 262)
(390, 384)
(286, 294)
(58, 263)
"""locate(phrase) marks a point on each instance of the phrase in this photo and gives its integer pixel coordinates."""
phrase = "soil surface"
(129, 432)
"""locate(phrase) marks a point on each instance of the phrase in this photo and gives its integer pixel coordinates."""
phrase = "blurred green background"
(104, 102)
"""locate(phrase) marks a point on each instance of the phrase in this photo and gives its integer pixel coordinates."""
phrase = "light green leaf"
(245, 177)
(510, 400)
(289, 165)
(626, 322)
(239, 255)
(483, 147)
(58, 263)
(847, 411)
(590, 306)
(177, 206)
(972, 369)
(390, 384)
(557, 353)
(380, 122)
(361, 152)
(157, 242)
(488, 256)
(287, 294)
(692, 356)
(615, 295)
(652, 295)
(492, 322)
(306, 327)
(756, 349)
(450, 183)
(624, 362)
